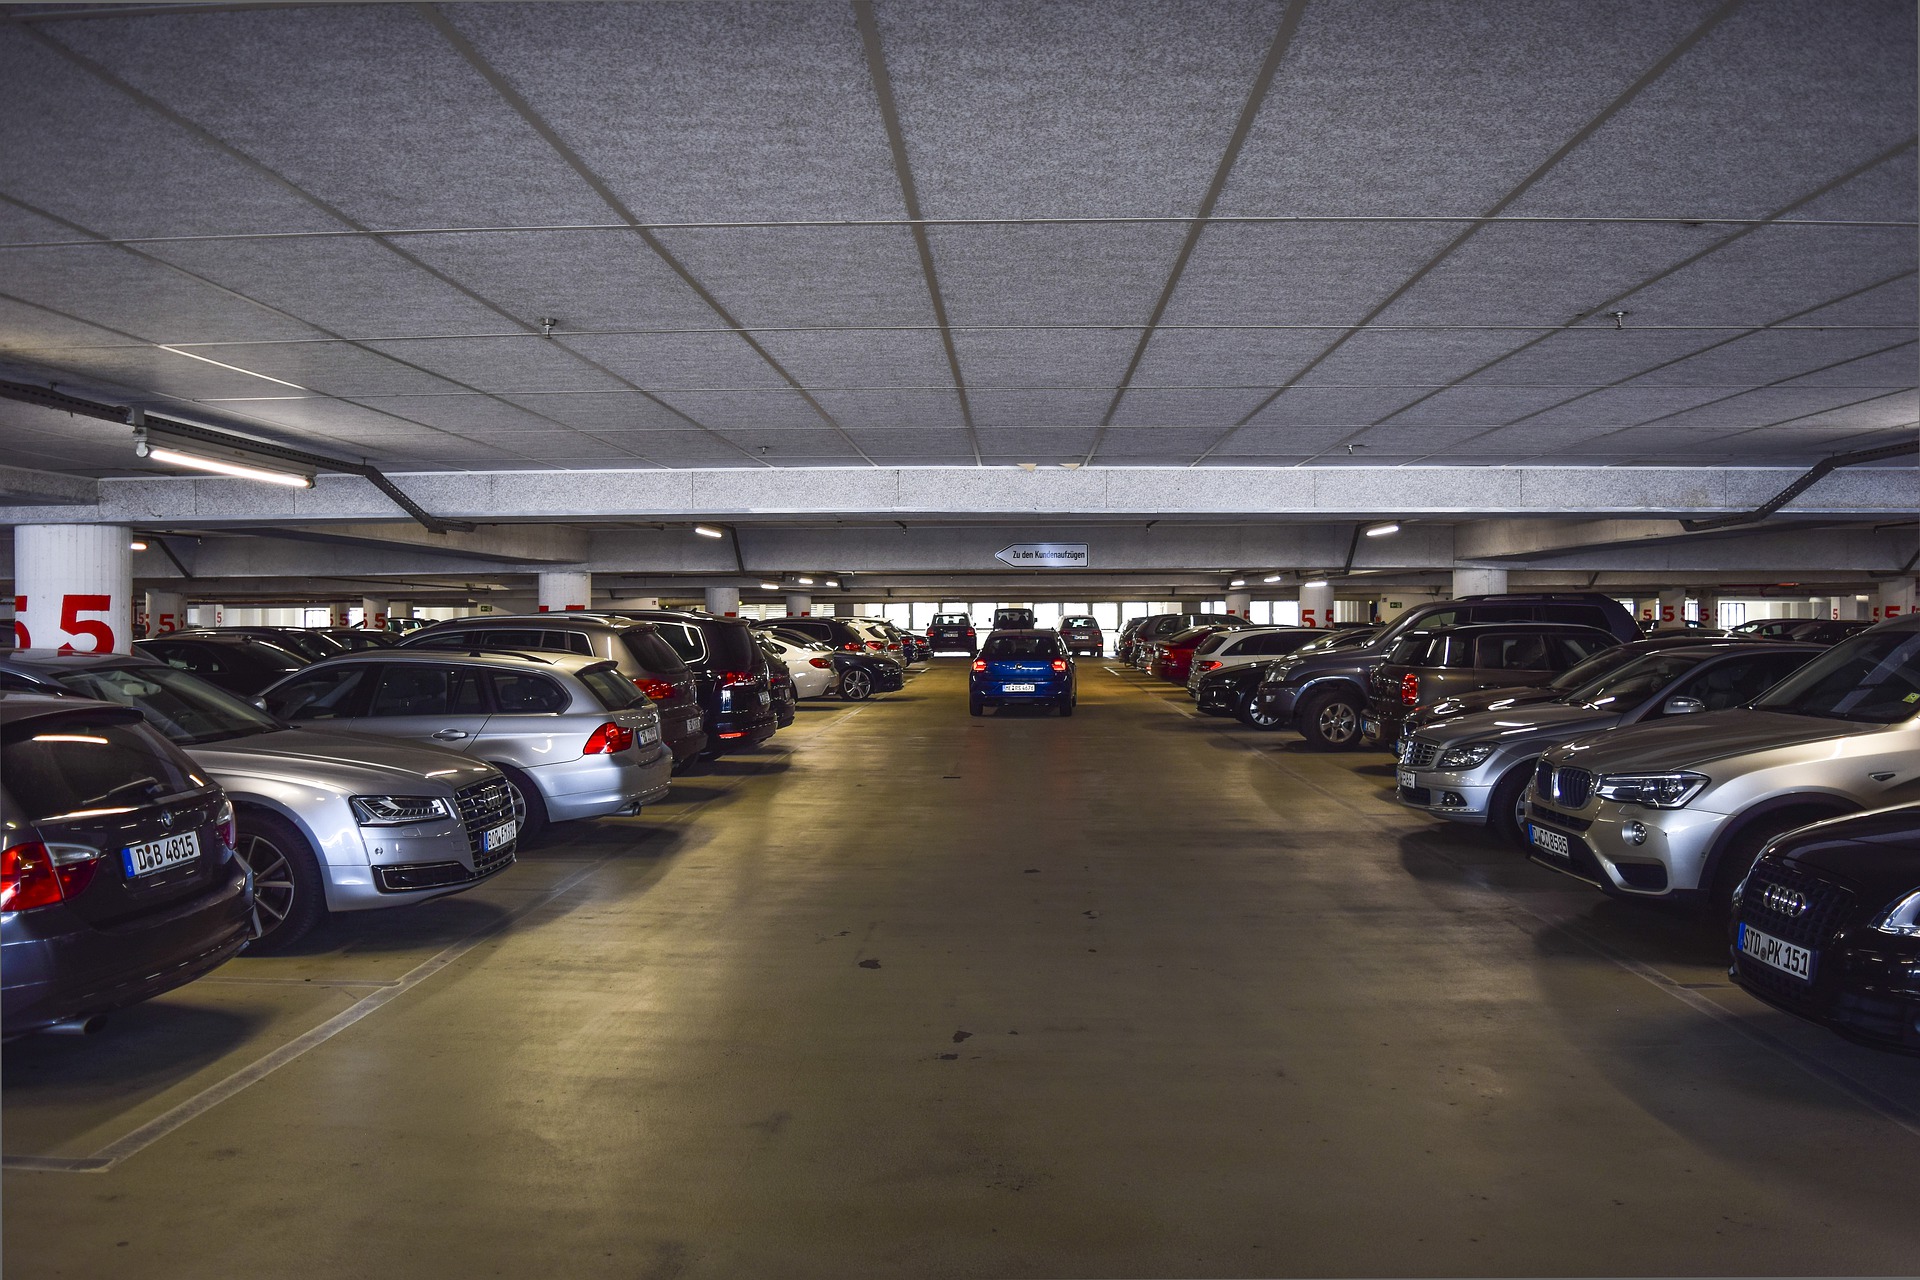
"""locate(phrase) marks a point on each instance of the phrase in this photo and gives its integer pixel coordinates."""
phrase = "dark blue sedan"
(1022, 667)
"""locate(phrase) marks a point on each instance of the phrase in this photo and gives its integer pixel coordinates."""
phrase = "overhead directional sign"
(1044, 555)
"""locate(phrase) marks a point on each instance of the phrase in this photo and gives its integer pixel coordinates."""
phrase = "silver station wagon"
(574, 737)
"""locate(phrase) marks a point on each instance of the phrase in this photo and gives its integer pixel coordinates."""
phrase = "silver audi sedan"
(327, 821)
(573, 736)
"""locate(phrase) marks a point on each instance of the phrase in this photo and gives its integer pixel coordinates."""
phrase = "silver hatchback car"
(1681, 808)
(327, 821)
(574, 738)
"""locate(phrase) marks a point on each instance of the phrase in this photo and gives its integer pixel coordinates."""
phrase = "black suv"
(241, 664)
(953, 633)
(827, 631)
(1324, 694)
(1827, 926)
(730, 671)
(1013, 619)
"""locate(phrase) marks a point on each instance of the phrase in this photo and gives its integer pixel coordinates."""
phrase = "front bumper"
(617, 782)
(1462, 796)
(1865, 985)
(1277, 700)
(1221, 699)
(1629, 851)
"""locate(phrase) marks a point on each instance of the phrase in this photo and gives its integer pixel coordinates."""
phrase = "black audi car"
(1229, 691)
(1827, 926)
(120, 879)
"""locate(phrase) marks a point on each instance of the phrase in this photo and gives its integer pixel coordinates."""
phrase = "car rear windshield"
(1211, 643)
(607, 685)
(1873, 677)
(952, 620)
(653, 653)
(182, 706)
(1023, 647)
(732, 646)
(1080, 620)
(69, 768)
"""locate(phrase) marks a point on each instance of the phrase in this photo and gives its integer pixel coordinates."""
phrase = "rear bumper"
(592, 786)
(54, 966)
(685, 731)
(995, 691)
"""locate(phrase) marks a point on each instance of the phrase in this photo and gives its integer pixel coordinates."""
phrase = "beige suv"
(1679, 809)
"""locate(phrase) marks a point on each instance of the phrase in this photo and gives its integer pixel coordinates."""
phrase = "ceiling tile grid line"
(149, 103)
(909, 194)
(1774, 326)
(518, 102)
(1592, 126)
(1229, 155)
(1764, 426)
(1600, 308)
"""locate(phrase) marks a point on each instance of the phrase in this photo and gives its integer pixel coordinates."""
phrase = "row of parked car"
(225, 788)
(1769, 774)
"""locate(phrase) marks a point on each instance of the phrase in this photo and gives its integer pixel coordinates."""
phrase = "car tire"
(1330, 721)
(1066, 704)
(289, 898)
(527, 805)
(1503, 805)
(1257, 717)
(975, 707)
(856, 685)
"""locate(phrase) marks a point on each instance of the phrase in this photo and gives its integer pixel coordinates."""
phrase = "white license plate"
(1769, 950)
(1369, 727)
(1016, 688)
(1407, 780)
(500, 835)
(158, 855)
(1551, 842)
(765, 697)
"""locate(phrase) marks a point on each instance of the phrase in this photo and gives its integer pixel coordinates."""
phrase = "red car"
(1174, 661)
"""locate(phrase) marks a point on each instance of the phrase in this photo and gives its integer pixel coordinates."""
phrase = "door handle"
(452, 735)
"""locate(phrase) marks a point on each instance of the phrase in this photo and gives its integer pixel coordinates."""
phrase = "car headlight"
(1653, 790)
(1468, 757)
(1903, 917)
(397, 811)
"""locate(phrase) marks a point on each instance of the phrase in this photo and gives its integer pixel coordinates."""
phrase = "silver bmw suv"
(327, 821)
(574, 737)
(1680, 809)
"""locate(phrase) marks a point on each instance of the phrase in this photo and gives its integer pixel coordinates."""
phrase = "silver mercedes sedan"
(328, 821)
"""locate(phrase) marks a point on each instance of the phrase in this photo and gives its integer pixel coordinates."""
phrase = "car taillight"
(929, 633)
(979, 664)
(851, 646)
(1410, 690)
(818, 662)
(225, 827)
(32, 876)
(1059, 664)
(969, 630)
(658, 690)
(608, 738)
(1209, 664)
(736, 677)
(876, 644)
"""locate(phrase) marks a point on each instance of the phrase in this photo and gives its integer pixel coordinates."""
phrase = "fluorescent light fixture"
(1237, 582)
(1069, 466)
(1273, 577)
(769, 586)
(137, 545)
(235, 368)
(708, 531)
(805, 582)
(174, 457)
(1028, 466)
(1317, 582)
(835, 583)
(1382, 530)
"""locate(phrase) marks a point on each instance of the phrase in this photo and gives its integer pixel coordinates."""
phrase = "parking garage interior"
(1289, 314)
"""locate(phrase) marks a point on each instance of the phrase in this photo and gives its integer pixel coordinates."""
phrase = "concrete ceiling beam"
(507, 544)
(23, 487)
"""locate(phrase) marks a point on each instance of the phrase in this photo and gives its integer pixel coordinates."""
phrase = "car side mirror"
(1683, 707)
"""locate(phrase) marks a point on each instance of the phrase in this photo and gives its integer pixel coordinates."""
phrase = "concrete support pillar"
(1707, 607)
(399, 609)
(1673, 608)
(1240, 603)
(562, 590)
(166, 611)
(1896, 600)
(723, 602)
(1316, 604)
(374, 612)
(73, 587)
(1850, 607)
(1479, 582)
(337, 613)
(799, 605)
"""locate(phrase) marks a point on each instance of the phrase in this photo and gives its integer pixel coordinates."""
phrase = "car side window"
(1570, 651)
(1740, 680)
(1512, 653)
(523, 693)
(417, 689)
(329, 694)
(438, 639)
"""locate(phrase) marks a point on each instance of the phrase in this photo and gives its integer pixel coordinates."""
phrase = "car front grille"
(1794, 906)
(1566, 785)
(483, 806)
(1418, 753)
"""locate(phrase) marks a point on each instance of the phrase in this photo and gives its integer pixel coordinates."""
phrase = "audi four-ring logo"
(1784, 901)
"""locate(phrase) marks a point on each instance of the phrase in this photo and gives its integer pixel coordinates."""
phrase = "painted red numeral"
(20, 640)
(71, 607)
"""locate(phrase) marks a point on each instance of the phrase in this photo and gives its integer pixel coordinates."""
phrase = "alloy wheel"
(1338, 723)
(855, 685)
(273, 884)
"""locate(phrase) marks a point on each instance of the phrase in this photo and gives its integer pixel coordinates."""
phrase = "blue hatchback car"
(1022, 666)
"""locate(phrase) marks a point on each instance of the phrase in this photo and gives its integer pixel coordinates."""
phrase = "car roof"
(582, 619)
(72, 661)
(509, 659)
(1025, 631)
(1470, 628)
(21, 708)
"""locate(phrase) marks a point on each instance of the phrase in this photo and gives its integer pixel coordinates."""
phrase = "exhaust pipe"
(76, 1026)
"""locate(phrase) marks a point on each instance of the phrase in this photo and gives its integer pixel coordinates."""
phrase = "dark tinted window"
(422, 690)
(952, 620)
(1420, 649)
(1214, 643)
(181, 705)
(442, 638)
(62, 766)
(653, 653)
(1079, 620)
(732, 646)
(184, 654)
(1570, 651)
(331, 693)
(1586, 615)
(523, 693)
(1626, 685)
(684, 637)
(1739, 681)
(1274, 643)
(1042, 646)
(1873, 677)
(1498, 612)
(1514, 653)
(307, 645)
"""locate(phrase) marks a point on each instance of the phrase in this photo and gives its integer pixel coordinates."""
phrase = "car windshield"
(952, 620)
(1873, 677)
(1022, 647)
(180, 705)
(307, 644)
(1629, 684)
(1585, 672)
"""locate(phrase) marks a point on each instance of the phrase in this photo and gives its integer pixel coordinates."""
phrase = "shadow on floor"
(143, 1048)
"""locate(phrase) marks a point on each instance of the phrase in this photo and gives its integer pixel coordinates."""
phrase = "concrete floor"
(908, 993)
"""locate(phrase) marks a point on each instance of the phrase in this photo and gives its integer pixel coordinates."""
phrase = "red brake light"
(1410, 689)
(979, 664)
(658, 690)
(28, 878)
(225, 827)
(851, 646)
(969, 630)
(1209, 664)
(818, 662)
(876, 644)
(608, 738)
(1059, 664)
(736, 677)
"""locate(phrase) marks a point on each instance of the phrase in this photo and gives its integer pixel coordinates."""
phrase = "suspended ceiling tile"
(808, 275)
(1345, 407)
(662, 361)
(884, 409)
(918, 447)
(1053, 275)
(1411, 356)
(798, 442)
(1058, 358)
(1478, 405)
(1830, 355)
(1229, 357)
(1038, 408)
(604, 411)
(1029, 444)
(119, 290)
(1772, 274)
(585, 280)
(912, 358)
(331, 368)
(1186, 408)
(1299, 273)
(745, 410)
